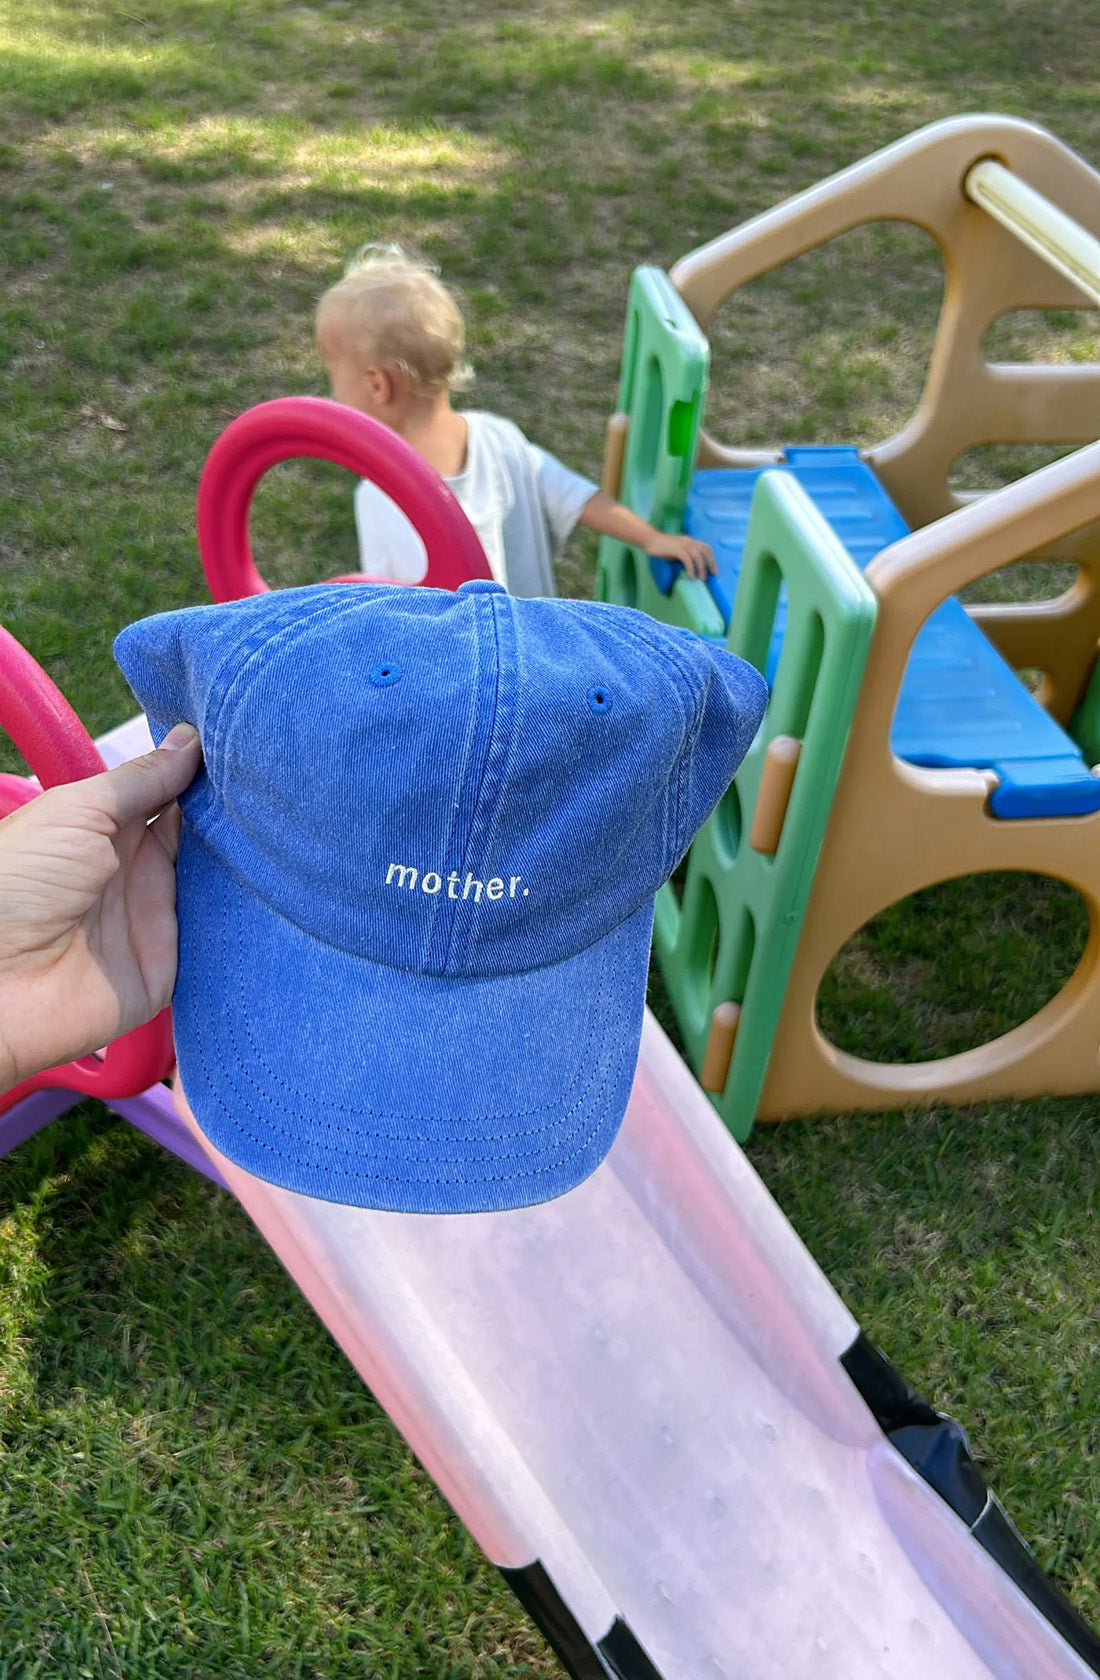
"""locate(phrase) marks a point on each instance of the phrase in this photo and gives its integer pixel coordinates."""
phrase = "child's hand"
(611, 519)
(694, 556)
(87, 909)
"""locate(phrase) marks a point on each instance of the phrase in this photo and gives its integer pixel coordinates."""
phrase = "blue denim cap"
(417, 871)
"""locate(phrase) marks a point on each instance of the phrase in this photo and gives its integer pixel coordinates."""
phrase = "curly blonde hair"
(395, 309)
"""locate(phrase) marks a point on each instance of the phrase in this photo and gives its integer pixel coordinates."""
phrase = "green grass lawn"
(192, 1481)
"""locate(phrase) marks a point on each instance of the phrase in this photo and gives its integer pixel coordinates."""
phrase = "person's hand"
(612, 519)
(88, 909)
(694, 556)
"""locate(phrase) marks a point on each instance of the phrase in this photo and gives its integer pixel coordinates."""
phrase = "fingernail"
(181, 736)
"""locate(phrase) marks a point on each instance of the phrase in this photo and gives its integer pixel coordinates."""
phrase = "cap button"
(481, 586)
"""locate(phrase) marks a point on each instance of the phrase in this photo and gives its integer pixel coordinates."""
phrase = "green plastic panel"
(731, 932)
(1085, 727)
(662, 388)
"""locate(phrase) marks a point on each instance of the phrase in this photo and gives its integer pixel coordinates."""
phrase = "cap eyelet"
(384, 674)
(599, 699)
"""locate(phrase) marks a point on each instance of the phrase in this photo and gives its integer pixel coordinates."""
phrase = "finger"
(142, 785)
(167, 829)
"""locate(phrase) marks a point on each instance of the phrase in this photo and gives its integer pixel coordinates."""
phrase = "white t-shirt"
(521, 501)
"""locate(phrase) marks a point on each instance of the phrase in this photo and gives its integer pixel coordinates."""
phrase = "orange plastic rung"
(776, 782)
(719, 1051)
(614, 453)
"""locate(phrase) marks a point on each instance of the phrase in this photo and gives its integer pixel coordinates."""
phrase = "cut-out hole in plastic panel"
(953, 966)
(700, 907)
(821, 350)
(681, 423)
(803, 650)
(644, 448)
(990, 466)
(758, 622)
(742, 947)
(1044, 337)
(1023, 581)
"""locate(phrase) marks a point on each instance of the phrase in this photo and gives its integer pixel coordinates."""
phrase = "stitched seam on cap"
(693, 722)
(502, 744)
(299, 619)
(490, 602)
(665, 648)
(591, 1065)
(700, 688)
(685, 773)
(229, 668)
(461, 812)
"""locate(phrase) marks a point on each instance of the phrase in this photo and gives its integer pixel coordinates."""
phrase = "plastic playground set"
(644, 1399)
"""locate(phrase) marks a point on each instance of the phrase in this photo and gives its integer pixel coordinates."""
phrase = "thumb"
(142, 786)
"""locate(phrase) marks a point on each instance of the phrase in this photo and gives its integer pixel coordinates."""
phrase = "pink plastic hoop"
(293, 426)
(59, 749)
(39, 719)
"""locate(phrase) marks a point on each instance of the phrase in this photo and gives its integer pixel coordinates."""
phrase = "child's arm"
(600, 513)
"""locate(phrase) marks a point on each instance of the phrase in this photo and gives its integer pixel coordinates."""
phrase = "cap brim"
(357, 1083)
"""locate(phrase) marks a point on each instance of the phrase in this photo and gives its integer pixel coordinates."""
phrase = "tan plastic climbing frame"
(895, 829)
(966, 401)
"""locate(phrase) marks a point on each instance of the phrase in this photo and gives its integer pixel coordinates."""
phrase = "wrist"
(13, 1069)
(9, 1072)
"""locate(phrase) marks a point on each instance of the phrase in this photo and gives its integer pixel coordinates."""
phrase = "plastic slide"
(648, 1406)
(638, 1400)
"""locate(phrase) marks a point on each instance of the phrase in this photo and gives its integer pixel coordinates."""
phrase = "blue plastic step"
(960, 704)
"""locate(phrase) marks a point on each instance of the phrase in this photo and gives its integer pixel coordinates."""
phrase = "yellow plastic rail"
(1038, 223)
